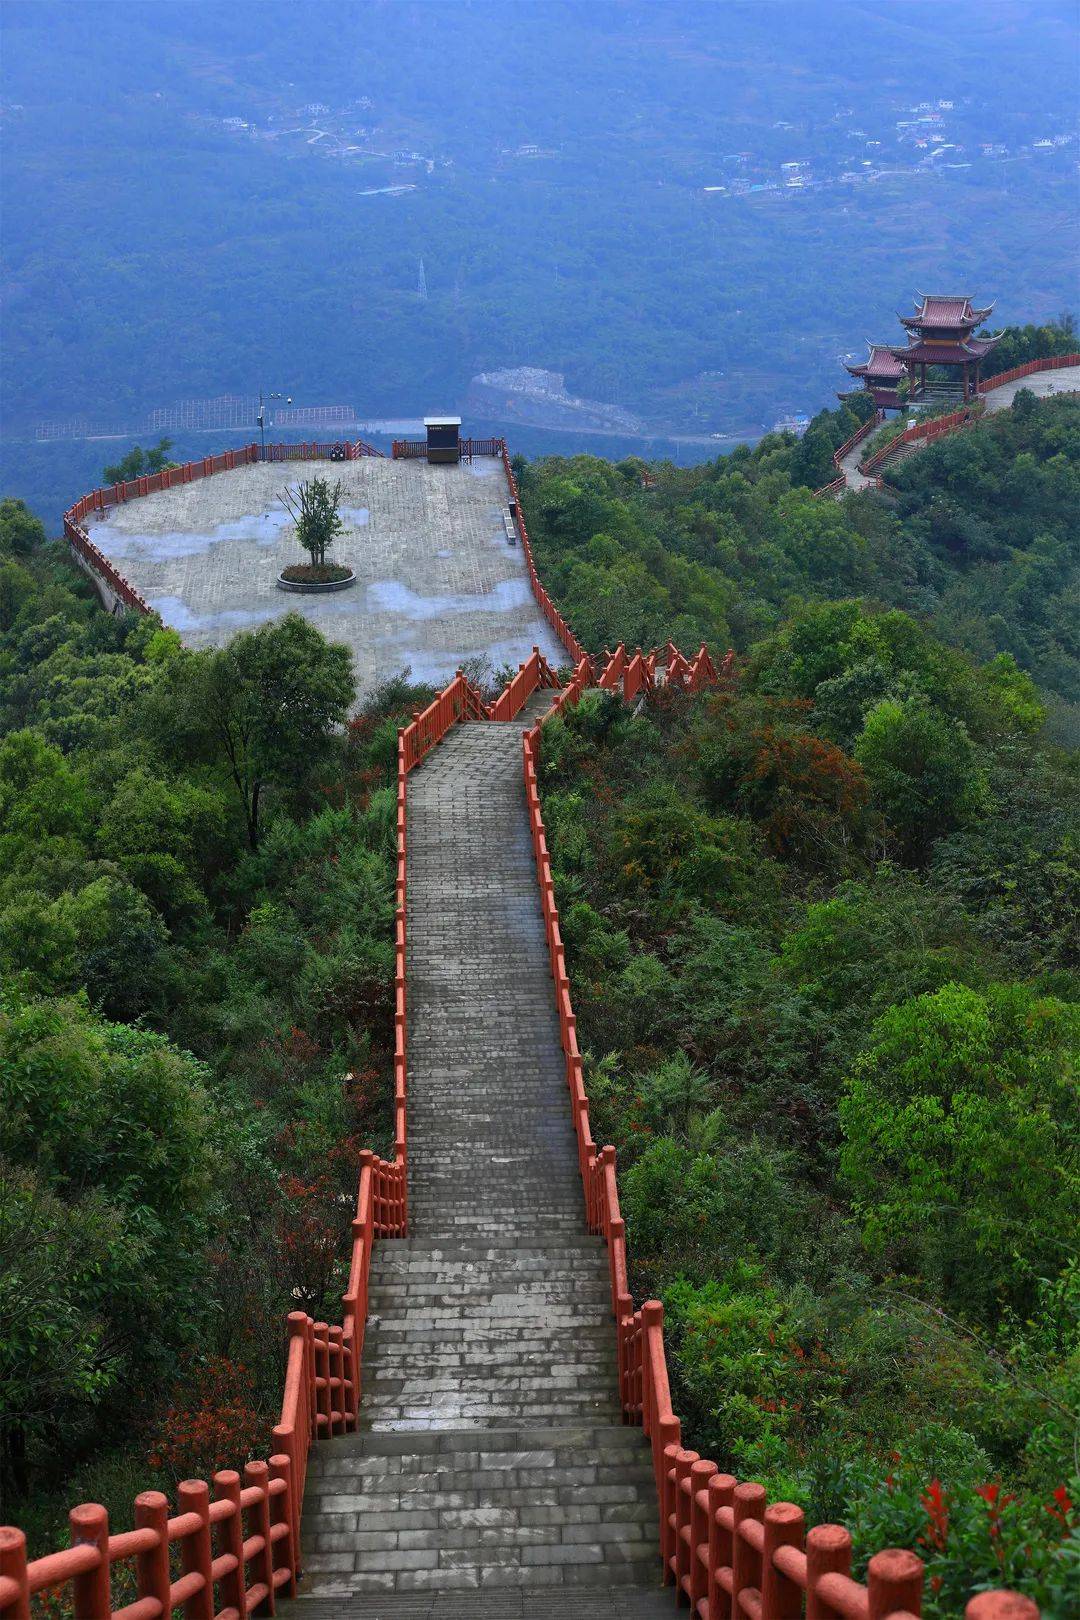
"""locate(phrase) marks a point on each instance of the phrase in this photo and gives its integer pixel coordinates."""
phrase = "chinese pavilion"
(880, 374)
(940, 334)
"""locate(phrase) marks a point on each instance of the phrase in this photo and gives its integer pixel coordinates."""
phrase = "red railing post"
(91, 1590)
(828, 1552)
(684, 1465)
(721, 1498)
(749, 1504)
(13, 1569)
(337, 1381)
(698, 1585)
(781, 1596)
(894, 1580)
(152, 1566)
(1001, 1606)
(230, 1539)
(257, 1474)
(283, 1514)
(193, 1496)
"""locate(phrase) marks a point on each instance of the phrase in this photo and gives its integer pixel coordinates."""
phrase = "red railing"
(458, 701)
(78, 537)
(332, 450)
(665, 666)
(857, 437)
(246, 1540)
(937, 426)
(1051, 362)
(723, 1548)
(535, 673)
(417, 449)
(546, 605)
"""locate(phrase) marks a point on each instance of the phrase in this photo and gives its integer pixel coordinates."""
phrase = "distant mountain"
(692, 211)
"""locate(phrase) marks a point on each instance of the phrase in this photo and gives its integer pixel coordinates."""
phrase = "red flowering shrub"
(971, 1537)
(211, 1423)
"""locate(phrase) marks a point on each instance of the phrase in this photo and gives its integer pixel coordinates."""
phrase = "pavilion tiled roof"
(946, 354)
(949, 312)
(881, 362)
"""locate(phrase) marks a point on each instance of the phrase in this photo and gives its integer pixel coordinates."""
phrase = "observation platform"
(437, 580)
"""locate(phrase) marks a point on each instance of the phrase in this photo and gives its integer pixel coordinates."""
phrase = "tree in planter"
(314, 510)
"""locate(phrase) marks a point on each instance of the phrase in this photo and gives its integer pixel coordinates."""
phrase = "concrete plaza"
(437, 581)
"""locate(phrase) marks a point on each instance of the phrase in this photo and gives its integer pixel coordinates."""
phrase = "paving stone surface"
(437, 582)
(491, 1474)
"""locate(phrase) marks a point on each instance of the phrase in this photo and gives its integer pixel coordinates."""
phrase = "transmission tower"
(421, 282)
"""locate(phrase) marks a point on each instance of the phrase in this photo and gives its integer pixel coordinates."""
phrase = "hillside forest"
(822, 934)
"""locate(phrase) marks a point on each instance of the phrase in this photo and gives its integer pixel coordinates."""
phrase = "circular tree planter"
(308, 580)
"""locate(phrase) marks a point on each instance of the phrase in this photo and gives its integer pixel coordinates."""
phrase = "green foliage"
(921, 767)
(268, 706)
(723, 552)
(190, 1023)
(961, 1143)
(831, 1042)
(139, 462)
(314, 510)
(20, 531)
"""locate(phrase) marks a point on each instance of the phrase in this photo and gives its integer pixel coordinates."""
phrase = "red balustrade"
(458, 701)
(534, 674)
(938, 426)
(78, 537)
(546, 605)
(857, 437)
(723, 1547)
(665, 666)
(1051, 362)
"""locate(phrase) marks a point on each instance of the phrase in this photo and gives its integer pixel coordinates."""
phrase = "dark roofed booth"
(443, 439)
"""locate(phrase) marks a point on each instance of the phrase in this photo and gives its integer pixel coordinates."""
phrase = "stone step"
(490, 1459)
(520, 1507)
(649, 1601)
(554, 1246)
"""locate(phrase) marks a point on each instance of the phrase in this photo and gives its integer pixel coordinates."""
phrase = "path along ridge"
(1066, 380)
(490, 1461)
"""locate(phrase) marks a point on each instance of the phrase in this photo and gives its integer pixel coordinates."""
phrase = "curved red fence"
(546, 605)
(1049, 362)
(98, 500)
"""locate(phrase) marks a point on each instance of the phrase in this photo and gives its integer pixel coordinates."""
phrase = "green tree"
(139, 462)
(269, 706)
(106, 1199)
(921, 767)
(20, 531)
(962, 1142)
(314, 510)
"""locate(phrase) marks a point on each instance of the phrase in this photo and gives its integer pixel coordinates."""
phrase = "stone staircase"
(491, 1474)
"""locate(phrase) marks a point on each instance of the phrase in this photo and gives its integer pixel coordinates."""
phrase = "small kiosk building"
(443, 440)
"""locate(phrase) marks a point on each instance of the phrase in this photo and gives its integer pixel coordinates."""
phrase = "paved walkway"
(492, 1460)
(437, 581)
(1041, 383)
